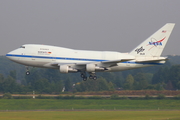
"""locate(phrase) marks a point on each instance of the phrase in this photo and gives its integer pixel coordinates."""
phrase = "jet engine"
(63, 69)
(90, 67)
(93, 68)
(66, 69)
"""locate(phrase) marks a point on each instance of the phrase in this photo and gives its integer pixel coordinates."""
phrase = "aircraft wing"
(115, 61)
(105, 63)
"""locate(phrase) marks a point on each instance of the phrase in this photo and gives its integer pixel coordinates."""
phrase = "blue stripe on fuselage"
(60, 58)
(79, 59)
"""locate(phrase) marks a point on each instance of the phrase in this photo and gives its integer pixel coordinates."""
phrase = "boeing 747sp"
(148, 53)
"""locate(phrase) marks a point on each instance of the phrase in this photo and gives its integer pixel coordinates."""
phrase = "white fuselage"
(45, 56)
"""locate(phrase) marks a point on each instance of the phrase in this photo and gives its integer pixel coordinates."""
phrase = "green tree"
(111, 86)
(13, 74)
(161, 75)
(9, 85)
(178, 85)
(148, 77)
(174, 75)
(119, 80)
(42, 85)
(94, 85)
(129, 82)
(1, 82)
(103, 84)
(57, 87)
(68, 85)
(142, 83)
(169, 85)
(159, 86)
(33, 78)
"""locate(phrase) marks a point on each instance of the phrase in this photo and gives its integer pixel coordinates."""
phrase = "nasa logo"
(157, 43)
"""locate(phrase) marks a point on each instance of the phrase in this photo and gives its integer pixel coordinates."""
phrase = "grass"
(91, 115)
(134, 109)
(107, 104)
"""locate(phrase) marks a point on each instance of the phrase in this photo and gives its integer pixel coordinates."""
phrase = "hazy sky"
(108, 25)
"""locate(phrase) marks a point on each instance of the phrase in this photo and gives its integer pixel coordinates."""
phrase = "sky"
(102, 25)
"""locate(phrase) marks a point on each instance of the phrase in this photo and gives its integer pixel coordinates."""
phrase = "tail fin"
(154, 45)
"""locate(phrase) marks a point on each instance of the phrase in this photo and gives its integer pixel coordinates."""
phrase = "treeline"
(14, 80)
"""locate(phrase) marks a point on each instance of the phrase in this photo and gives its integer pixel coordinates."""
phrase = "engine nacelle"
(63, 69)
(67, 69)
(90, 67)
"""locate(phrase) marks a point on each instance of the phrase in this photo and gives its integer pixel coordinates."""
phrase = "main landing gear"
(27, 70)
(83, 75)
(91, 76)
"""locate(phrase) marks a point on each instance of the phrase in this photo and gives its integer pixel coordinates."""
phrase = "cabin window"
(22, 47)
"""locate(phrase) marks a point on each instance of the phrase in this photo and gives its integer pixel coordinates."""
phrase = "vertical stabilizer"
(154, 45)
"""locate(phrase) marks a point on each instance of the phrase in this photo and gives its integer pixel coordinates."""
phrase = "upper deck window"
(22, 47)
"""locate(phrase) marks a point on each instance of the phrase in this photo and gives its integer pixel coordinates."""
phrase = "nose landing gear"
(27, 73)
(27, 70)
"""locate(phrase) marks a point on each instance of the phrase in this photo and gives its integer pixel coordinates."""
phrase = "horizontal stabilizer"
(153, 60)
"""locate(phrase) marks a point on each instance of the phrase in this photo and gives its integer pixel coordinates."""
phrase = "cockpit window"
(22, 47)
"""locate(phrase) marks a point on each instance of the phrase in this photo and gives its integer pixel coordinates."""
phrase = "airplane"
(148, 53)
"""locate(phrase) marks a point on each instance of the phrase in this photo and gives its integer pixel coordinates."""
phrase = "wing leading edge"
(110, 62)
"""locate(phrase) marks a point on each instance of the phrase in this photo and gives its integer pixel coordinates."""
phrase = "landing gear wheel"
(82, 75)
(27, 73)
(90, 77)
(94, 77)
(27, 70)
(84, 78)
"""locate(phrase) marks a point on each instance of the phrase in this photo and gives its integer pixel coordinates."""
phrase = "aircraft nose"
(12, 55)
(9, 55)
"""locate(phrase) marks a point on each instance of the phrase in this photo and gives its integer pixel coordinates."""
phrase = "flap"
(115, 61)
